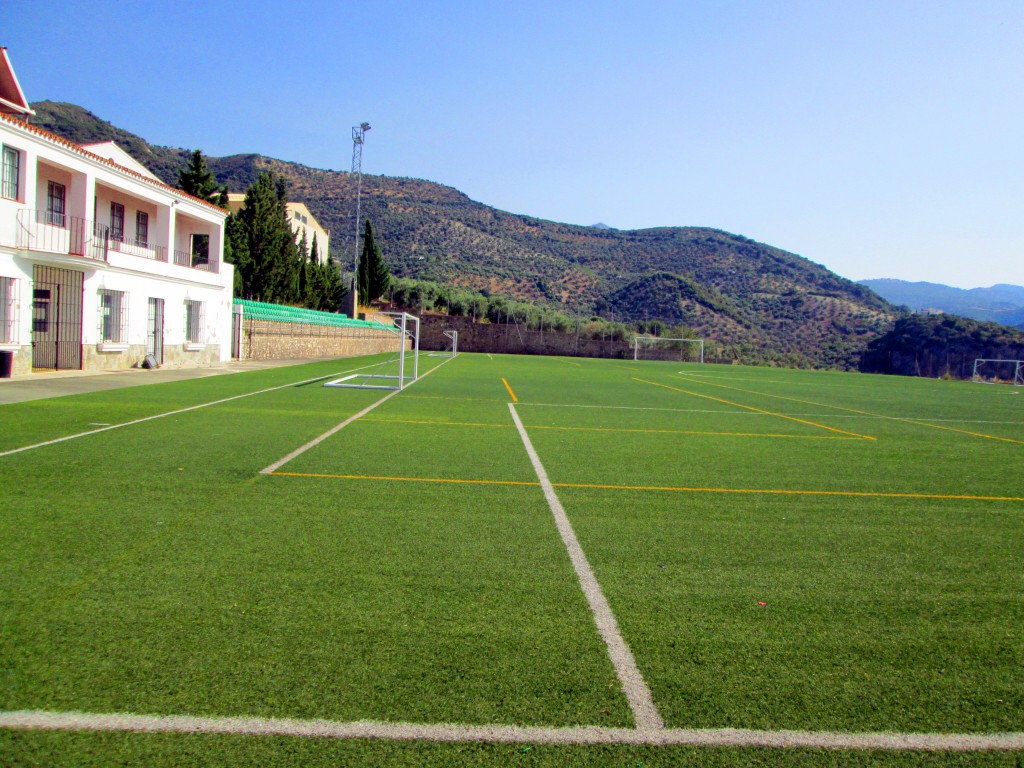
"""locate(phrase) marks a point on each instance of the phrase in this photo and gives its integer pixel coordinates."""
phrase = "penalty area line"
(269, 470)
(657, 488)
(36, 720)
(109, 427)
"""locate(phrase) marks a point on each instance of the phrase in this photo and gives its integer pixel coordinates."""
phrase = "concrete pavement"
(38, 386)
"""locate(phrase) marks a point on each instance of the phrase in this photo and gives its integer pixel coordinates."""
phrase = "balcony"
(195, 261)
(59, 233)
(138, 248)
(50, 232)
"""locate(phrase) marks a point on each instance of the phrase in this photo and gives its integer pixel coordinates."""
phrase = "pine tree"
(269, 240)
(197, 180)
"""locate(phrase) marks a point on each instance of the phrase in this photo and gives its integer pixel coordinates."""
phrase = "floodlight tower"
(358, 137)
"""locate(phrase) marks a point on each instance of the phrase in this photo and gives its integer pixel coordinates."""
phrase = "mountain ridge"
(750, 295)
(1000, 303)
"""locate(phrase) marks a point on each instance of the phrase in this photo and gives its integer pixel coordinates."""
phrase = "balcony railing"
(138, 248)
(188, 259)
(59, 233)
(51, 232)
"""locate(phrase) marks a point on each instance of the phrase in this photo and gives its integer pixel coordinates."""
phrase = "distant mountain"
(1001, 303)
(758, 302)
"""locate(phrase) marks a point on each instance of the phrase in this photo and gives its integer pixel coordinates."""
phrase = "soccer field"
(515, 560)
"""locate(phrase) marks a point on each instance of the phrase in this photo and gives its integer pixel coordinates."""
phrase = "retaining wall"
(264, 340)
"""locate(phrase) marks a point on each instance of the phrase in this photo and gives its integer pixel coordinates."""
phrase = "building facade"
(101, 264)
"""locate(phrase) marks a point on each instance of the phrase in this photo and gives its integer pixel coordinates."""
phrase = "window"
(116, 222)
(200, 250)
(55, 211)
(8, 310)
(12, 173)
(113, 317)
(193, 322)
(142, 228)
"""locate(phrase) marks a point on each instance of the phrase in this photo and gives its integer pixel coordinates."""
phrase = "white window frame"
(142, 229)
(9, 325)
(195, 330)
(112, 310)
(200, 255)
(116, 222)
(11, 173)
(56, 204)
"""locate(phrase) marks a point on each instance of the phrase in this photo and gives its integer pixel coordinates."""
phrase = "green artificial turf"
(153, 569)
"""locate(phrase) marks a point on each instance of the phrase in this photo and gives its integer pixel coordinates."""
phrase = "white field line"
(510, 734)
(633, 684)
(175, 412)
(338, 427)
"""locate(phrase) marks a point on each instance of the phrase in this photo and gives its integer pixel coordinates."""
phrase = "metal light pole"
(358, 137)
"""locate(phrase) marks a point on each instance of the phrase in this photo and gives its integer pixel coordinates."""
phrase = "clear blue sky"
(881, 139)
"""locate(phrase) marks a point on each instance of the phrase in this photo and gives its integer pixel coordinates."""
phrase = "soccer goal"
(662, 348)
(990, 371)
(452, 350)
(404, 332)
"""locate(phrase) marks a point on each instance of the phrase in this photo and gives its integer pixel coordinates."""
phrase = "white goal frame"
(638, 339)
(452, 350)
(401, 380)
(1018, 370)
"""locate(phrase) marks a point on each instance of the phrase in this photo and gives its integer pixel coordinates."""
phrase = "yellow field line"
(758, 410)
(513, 394)
(662, 488)
(611, 429)
(696, 432)
(406, 479)
(864, 413)
(790, 492)
(438, 423)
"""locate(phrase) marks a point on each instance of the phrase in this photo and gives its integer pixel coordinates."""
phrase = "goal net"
(991, 371)
(407, 334)
(662, 348)
(452, 349)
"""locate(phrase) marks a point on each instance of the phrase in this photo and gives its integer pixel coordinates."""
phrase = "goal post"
(407, 329)
(993, 371)
(452, 348)
(664, 348)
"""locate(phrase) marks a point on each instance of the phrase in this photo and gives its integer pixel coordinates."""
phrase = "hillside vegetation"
(747, 295)
(940, 345)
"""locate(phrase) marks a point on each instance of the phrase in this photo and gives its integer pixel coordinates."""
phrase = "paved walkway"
(59, 383)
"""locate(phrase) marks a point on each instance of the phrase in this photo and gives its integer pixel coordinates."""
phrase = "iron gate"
(155, 332)
(56, 318)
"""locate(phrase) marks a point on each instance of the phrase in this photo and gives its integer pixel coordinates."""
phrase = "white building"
(100, 262)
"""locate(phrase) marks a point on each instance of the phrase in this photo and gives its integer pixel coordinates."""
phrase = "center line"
(633, 684)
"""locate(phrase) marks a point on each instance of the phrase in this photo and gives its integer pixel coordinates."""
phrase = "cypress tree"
(374, 275)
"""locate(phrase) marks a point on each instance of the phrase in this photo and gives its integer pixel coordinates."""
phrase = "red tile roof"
(54, 138)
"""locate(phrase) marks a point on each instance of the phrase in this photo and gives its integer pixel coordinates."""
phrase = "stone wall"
(175, 356)
(263, 340)
(513, 340)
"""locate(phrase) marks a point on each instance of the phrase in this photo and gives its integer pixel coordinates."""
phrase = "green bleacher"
(278, 313)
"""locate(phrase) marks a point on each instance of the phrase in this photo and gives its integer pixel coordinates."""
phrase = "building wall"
(160, 268)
